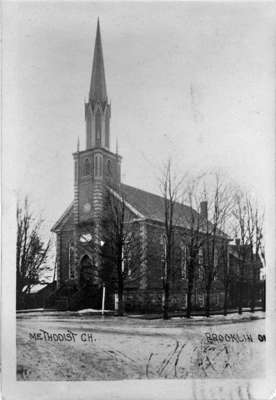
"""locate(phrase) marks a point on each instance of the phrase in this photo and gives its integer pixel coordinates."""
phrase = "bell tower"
(95, 167)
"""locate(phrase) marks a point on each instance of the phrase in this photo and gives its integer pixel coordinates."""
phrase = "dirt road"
(60, 347)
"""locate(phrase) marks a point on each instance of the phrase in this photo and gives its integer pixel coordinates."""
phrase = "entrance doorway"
(86, 272)
(90, 292)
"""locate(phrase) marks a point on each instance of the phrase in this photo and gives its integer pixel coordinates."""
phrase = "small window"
(200, 256)
(163, 244)
(98, 165)
(216, 257)
(201, 273)
(109, 168)
(71, 251)
(183, 261)
(76, 171)
(86, 167)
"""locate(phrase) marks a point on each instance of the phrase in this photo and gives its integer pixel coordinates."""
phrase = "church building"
(97, 171)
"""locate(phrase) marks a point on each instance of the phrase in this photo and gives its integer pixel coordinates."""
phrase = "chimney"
(204, 209)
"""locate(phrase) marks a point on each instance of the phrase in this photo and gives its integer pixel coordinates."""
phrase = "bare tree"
(249, 229)
(121, 251)
(170, 186)
(31, 252)
(255, 230)
(193, 236)
(220, 204)
(226, 273)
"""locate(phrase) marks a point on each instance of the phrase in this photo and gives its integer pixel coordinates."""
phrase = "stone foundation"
(148, 301)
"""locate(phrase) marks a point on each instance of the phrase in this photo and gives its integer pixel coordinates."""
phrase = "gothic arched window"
(71, 251)
(98, 166)
(98, 125)
(86, 167)
(109, 168)
(183, 260)
(76, 171)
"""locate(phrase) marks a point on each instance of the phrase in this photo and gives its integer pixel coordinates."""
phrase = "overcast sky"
(189, 80)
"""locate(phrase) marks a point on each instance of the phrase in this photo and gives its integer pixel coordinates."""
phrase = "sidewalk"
(176, 320)
(198, 314)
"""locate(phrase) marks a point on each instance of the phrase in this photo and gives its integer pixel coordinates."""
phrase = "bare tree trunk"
(253, 289)
(240, 304)
(190, 289)
(207, 306)
(263, 297)
(225, 303)
(120, 287)
(166, 300)
(120, 301)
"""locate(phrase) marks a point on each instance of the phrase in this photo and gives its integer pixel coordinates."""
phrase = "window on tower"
(109, 168)
(98, 128)
(76, 171)
(86, 169)
(98, 166)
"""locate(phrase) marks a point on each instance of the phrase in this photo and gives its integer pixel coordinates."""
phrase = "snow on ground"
(131, 348)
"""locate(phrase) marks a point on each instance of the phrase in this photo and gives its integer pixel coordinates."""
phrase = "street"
(59, 346)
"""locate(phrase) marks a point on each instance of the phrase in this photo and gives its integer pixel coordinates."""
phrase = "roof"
(98, 85)
(243, 250)
(151, 206)
(38, 287)
(63, 218)
(145, 205)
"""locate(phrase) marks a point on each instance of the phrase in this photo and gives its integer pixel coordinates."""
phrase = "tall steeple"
(97, 110)
(95, 166)
(98, 85)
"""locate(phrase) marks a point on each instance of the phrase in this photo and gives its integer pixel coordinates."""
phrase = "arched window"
(109, 168)
(98, 166)
(183, 260)
(86, 170)
(71, 260)
(76, 171)
(106, 130)
(98, 128)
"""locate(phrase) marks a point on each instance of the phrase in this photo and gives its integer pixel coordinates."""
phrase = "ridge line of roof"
(131, 207)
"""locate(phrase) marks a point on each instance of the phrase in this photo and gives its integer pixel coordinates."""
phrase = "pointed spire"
(98, 85)
(117, 152)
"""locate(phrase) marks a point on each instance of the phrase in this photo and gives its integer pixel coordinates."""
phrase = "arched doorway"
(89, 295)
(86, 271)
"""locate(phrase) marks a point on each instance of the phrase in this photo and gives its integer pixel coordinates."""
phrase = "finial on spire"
(117, 152)
(78, 144)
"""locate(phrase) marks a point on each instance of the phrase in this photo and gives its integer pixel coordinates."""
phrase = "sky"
(191, 81)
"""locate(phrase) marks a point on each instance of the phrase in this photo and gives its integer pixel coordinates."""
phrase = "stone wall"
(148, 301)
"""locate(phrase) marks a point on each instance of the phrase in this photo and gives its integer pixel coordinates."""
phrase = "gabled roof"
(152, 207)
(64, 218)
(147, 206)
